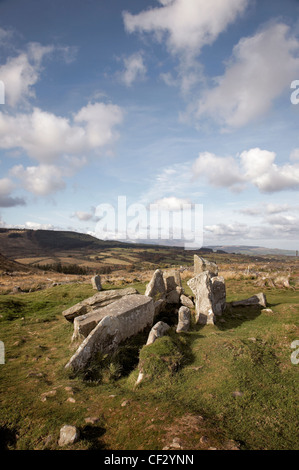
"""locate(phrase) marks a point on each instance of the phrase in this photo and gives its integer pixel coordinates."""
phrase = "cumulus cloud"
(40, 180)
(135, 69)
(20, 73)
(6, 200)
(220, 171)
(255, 166)
(252, 80)
(46, 137)
(187, 25)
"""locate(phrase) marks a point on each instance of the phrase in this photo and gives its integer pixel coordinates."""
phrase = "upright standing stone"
(201, 265)
(201, 286)
(96, 282)
(156, 287)
(184, 319)
(219, 294)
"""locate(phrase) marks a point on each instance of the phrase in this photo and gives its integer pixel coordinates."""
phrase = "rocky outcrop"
(124, 318)
(101, 299)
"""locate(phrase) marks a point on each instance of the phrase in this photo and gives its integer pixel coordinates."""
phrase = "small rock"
(68, 435)
(91, 420)
(237, 394)
(71, 400)
(231, 445)
(125, 403)
(204, 440)
(46, 395)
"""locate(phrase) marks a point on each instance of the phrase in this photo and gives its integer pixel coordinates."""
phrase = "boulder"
(100, 299)
(173, 297)
(201, 265)
(96, 282)
(156, 287)
(186, 301)
(124, 318)
(68, 435)
(158, 330)
(255, 300)
(184, 319)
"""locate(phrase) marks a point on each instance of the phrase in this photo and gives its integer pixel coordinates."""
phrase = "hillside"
(253, 250)
(7, 265)
(49, 247)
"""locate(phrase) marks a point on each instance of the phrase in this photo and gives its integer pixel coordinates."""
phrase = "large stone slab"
(255, 300)
(201, 265)
(124, 318)
(100, 299)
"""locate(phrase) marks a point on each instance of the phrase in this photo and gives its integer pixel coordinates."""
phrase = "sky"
(164, 102)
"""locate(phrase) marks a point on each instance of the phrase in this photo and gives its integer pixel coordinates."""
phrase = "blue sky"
(161, 101)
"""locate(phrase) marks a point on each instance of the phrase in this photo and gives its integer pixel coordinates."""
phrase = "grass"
(234, 380)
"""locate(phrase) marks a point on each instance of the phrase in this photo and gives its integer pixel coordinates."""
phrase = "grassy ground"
(233, 381)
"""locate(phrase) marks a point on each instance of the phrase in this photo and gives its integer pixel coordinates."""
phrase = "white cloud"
(37, 226)
(6, 188)
(135, 69)
(83, 216)
(253, 79)
(172, 203)
(254, 166)
(220, 171)
(187, 24)
(260, 170)
(20, 73)
(46, 137)
(40, 180)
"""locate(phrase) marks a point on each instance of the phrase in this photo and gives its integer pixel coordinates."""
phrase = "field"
(231, 385)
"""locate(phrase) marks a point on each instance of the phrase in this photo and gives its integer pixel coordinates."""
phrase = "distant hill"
(252, 250)
(7, 265)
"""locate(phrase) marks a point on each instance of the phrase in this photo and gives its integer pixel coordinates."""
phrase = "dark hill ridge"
(7, 265)
(25, 243)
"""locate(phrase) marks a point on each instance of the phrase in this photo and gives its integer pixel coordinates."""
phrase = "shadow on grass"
(92, 434)
(7, 438)
(233, 317)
